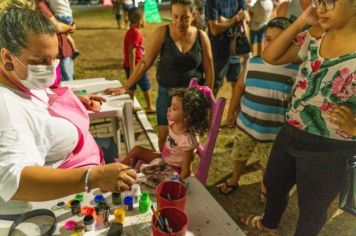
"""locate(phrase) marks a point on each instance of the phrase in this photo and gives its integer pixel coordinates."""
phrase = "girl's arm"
(207, 60)
(132, 58)
(188, 157)
(282, 50)
(38, 183)
(235, 101)
(146, 62)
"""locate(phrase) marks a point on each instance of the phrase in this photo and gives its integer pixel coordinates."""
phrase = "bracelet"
(86, 179)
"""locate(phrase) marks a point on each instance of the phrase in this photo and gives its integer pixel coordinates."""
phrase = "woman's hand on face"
(310, 16)
(115, 91)
(115, 177)
(343, 117)
(91, 102)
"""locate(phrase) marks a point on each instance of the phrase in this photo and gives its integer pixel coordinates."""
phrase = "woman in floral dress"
(311, 150)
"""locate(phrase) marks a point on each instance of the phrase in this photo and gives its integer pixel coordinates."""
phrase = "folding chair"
(205, 151)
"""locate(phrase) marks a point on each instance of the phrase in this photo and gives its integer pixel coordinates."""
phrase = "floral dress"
(320, 84)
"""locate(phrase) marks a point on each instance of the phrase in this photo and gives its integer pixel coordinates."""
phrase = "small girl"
(312, 149)
(188, 117)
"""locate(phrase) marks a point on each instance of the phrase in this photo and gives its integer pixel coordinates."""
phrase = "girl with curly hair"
(188, 117)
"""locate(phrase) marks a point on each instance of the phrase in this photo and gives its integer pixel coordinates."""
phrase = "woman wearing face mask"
(185, 52)
(46, 150)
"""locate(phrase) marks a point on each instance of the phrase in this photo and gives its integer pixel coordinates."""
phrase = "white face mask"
(39, 76)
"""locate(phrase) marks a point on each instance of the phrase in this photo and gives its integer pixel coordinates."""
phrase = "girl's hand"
(115, 91)
(310, 16)
(91, 102)
(343, 117)
(115, 177)
(231, 120)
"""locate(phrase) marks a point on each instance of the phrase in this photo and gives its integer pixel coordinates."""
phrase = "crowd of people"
(294, 99)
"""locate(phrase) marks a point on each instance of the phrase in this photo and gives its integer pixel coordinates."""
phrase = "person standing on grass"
(259, 102)
(222, 16)
(133, 53)
(185, 53)
(312, 149)
(65, 49)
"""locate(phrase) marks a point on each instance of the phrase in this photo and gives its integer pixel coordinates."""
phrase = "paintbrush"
(159, 220)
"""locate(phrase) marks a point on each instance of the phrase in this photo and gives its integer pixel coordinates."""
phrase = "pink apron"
(66, 105)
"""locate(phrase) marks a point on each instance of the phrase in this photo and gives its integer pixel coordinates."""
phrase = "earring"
(9, 66)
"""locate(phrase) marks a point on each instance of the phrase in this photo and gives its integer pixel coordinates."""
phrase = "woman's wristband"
(86, 179)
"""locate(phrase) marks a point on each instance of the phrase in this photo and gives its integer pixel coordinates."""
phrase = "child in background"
(133, 53)
(116, 9)
(126, 7)
(188, 117)
(62, 11)
(312, 148)
(259, 101)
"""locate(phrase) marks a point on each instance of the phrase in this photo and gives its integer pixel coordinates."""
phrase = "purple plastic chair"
(205, 151)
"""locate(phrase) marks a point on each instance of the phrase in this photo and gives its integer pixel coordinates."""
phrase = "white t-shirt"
(29, 136)
(60, 7)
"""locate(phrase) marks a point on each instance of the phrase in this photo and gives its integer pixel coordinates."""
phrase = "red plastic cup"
(171, 194)
(177, 221)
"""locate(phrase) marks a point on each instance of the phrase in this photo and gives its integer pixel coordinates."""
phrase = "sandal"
(254, 222)
(229, 188)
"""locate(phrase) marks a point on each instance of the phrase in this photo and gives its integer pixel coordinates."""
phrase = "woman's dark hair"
(278, 22)
(196, 108)
(135, 15)
(190, 3)
(17, 24)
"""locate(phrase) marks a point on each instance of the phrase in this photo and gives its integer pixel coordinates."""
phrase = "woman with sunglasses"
(312, 149)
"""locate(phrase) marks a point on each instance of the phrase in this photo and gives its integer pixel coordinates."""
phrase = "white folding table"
(119, 107)
(205, 216)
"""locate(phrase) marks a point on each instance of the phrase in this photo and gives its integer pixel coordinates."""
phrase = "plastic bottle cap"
(88, 220)
(99, 198)
(79, 196)
(70, 225)
(128, 200)
(136, 189)
(87, 210)
(119, 215)
(144, 203)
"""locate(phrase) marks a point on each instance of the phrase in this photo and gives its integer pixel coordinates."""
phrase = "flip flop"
(229, 188)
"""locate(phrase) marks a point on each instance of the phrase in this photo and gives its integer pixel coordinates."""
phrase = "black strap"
(34, 213)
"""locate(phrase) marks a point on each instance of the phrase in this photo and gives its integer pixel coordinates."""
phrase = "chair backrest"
(205, 151)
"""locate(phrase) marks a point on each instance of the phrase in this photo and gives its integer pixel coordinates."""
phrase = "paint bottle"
(116, 229)
(119, 214)
(128, 201)
(144, 203)
(75, 207)
(88, 222)
(116, 198)
(106, 215)
(99, 221)
(136, 192)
